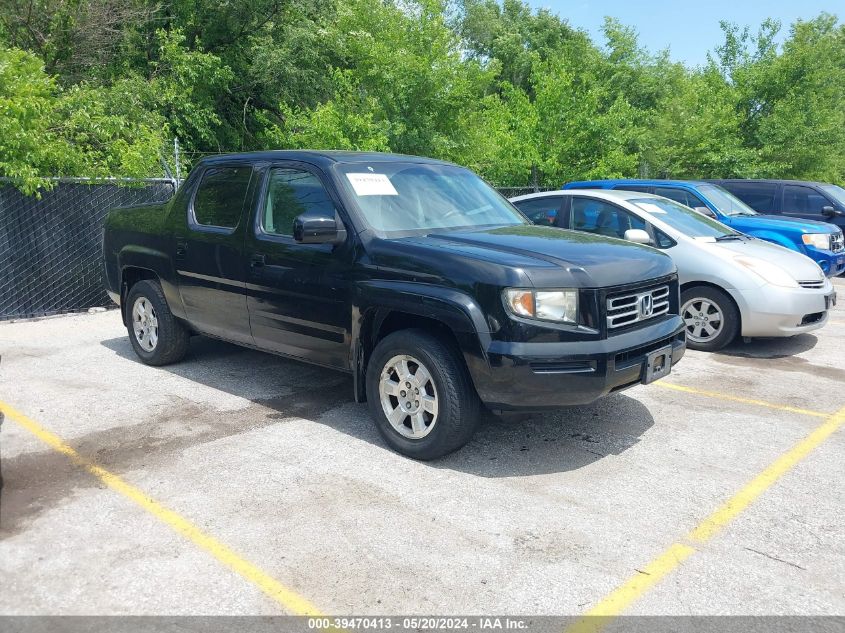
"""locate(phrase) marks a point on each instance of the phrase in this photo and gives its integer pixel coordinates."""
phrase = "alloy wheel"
(703, 319)
(145, 324)
(408, 396)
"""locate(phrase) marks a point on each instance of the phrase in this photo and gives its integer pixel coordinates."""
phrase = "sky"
(688, 28)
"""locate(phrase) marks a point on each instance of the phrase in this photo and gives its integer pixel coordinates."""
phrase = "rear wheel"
(157, 337)
(420, 395)
(712, 320)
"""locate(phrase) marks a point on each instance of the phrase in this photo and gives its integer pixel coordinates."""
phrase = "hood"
(801, 268)
(781, 224)
(552, 257)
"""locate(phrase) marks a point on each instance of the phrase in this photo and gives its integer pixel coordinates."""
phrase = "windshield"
(682, 219)
(836, 192)
(397, 197)
(725, 201)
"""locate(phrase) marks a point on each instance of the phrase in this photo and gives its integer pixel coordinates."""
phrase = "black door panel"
(298, 294)
(208, 253)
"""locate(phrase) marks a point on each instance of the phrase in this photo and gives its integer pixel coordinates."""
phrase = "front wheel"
(711, 318)
(420, 395)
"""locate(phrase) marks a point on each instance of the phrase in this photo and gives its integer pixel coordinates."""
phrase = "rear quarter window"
(541, 211)
(758, 196)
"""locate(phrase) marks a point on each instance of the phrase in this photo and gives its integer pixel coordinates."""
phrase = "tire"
(700, 306)
(162, 339)
(420, 434)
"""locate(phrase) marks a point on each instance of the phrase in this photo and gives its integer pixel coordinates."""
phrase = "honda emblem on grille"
(646, 306)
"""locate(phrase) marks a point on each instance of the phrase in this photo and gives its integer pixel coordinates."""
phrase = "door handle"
(258, 260)
(181, 249)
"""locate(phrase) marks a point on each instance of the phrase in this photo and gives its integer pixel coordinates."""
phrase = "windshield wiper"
(729, 236)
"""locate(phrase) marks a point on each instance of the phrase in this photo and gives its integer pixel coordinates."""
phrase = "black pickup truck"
(411, 274)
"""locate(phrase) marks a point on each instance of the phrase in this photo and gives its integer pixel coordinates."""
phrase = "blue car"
(820, 241)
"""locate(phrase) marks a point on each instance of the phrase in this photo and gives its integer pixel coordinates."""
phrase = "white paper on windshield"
(372, 184)
(651, 208)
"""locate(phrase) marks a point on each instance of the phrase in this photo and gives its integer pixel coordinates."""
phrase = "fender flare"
(373, 301)
(156, 262)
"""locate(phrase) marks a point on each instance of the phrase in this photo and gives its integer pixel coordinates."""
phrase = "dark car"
(798, 198)
(410, 274)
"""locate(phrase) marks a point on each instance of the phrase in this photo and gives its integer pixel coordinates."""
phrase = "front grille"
(634, 307)
(812, 284)
(837, 242)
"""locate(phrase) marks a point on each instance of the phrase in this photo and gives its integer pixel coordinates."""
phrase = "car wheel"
(420, 395)
(711, 318)
(156, 336)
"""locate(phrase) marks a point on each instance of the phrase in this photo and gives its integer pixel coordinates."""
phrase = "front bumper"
(831, 263)
(774, 311)
(542, 376)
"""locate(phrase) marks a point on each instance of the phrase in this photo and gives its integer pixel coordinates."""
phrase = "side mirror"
(705, 211)
(318, 228)
(830, 212)
(638, 236)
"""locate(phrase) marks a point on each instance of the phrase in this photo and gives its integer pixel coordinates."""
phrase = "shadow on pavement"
(282, 389)
(779, 355)
(766, 348)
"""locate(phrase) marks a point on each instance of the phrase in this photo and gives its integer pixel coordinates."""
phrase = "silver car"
(731, 284)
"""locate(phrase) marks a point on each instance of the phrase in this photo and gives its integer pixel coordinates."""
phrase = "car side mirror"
(638, 236)
(830, 212)
(705, 211)
(318, 228)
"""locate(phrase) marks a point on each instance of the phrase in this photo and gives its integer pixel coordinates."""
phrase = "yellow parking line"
(287, 598)
(629, 592)
(762, 482)
(729, 398)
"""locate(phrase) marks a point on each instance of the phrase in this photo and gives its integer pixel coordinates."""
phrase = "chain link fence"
(51, 248)
(512, 192)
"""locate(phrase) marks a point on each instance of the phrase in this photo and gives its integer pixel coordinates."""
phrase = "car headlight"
(820, 241)
(560, 306)
(775, 275)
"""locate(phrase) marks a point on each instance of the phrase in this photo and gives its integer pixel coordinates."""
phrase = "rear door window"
(219, 199)
(640, 188)
(602, 218)
(673, 193)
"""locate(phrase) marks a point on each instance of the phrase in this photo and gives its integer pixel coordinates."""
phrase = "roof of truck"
(784, 181)
(321, 157)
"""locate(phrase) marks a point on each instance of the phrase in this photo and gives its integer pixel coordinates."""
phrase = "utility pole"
(176, 159)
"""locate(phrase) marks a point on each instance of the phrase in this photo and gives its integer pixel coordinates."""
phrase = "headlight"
(775, 275)
(547, 305)
(817, 240)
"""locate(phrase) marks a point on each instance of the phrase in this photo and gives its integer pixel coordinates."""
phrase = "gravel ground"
(540, 516)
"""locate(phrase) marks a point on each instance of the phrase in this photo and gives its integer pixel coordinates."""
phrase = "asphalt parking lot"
(238, 482)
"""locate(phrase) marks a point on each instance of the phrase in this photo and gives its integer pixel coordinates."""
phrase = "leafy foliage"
(101, 87)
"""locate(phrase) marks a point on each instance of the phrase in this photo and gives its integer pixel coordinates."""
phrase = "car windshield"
(683, 219)
(398, 197)
(725, 201)
(836, 192)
